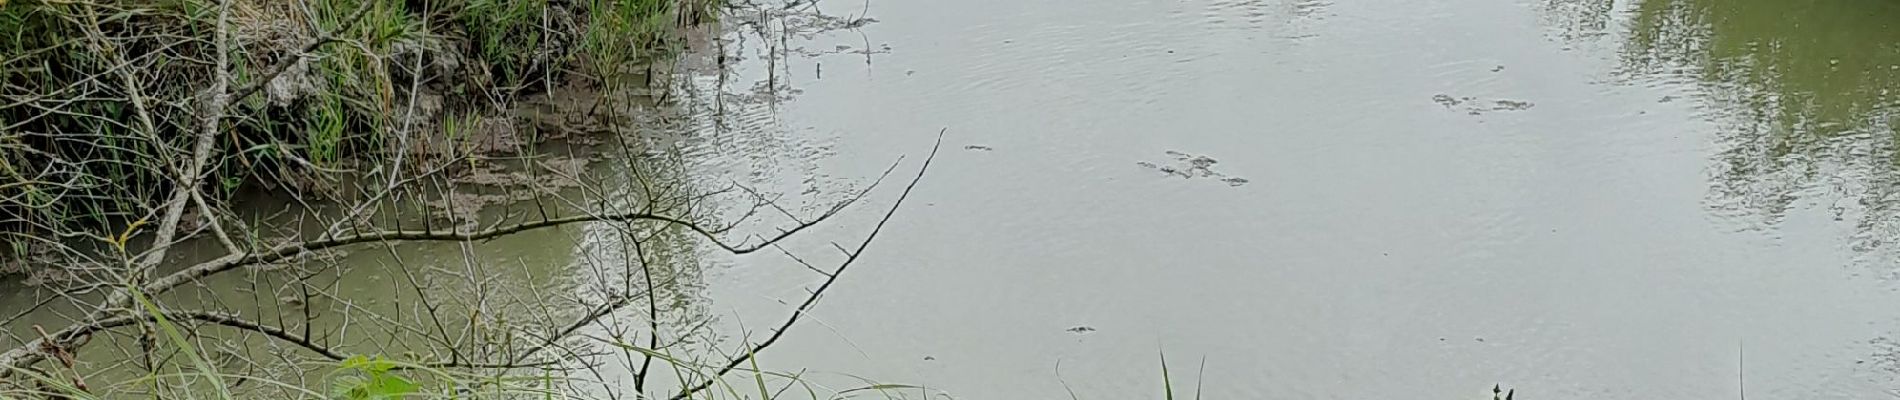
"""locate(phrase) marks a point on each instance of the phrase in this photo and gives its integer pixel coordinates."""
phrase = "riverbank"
(103, 104)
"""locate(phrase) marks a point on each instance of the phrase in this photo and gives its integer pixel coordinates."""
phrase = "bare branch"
(753, 350)
(20, 357)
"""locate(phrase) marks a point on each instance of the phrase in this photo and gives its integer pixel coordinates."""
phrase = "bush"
(98, 99)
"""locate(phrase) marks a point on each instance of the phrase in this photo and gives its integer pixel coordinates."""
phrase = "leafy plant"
(369, 378)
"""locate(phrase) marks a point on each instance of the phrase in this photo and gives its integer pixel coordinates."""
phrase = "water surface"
(1579, 199)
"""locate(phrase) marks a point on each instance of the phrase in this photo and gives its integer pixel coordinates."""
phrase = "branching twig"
(20, 357)
(753, 350)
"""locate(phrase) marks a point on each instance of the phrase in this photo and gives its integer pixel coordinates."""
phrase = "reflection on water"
(657, 264)
(1579, 20)
(733, 89)
(1803, 93)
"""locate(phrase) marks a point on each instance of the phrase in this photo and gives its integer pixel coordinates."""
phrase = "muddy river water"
(1347, 199)
(1304, 199)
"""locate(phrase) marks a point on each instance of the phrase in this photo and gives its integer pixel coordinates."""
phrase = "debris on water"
(1480, 340)
(1448, 101)
(1666, 99)
(1512, 105)
(929, 358)
(860, 22)
(1498, 68)
(1191, 166)
(978, 147)
(1080, 329)
(1474, 106)
(910, 72)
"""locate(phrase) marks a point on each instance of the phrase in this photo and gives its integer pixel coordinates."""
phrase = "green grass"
(91, 167)
(375, 377)
(1167, 382)
(372, 377)
(508, 36)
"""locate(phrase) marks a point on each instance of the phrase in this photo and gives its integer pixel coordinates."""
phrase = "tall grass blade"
(59, 388)
(1167, 384)
(847, 393)
(757, 376)
(171, 332)
(1199, 377)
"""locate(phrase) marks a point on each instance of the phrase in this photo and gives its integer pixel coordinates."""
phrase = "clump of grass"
(508, 37)
(1167, 382)
(377, 377)
(620, 33)
(71, 131)
(1498, 393)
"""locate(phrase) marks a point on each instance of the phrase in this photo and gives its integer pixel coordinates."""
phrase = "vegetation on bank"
(127, 127)
(102, 102)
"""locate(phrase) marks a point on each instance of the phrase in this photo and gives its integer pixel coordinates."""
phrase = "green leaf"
(355, 362)
(378, 383)
(391, 387)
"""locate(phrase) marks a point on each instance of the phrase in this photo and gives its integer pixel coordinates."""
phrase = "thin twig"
(805, 307)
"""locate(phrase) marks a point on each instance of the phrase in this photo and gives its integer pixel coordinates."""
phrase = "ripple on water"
(1260, 15)
(1236, 13)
